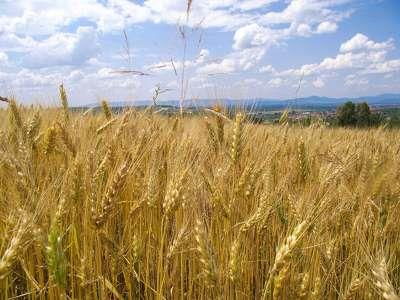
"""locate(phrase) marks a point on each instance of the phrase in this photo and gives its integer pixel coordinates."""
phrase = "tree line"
(357, 115)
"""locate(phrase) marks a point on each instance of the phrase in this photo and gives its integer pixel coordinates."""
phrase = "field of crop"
(141, 206)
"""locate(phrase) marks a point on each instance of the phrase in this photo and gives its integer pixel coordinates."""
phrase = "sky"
(123, 50)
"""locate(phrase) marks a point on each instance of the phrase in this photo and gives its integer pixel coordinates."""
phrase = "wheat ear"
(283, 256)
(109, 199)
(382, 281)
(11, 253)
(209, 267)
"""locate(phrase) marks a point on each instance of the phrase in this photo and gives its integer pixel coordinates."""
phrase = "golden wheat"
(138, 205)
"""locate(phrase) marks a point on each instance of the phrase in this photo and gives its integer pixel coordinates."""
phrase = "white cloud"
(251, 82)
(105, 73)
(172, 66)
(367, 57)
(47, 17)
(362, 42)
(250, 36)
(244, 5)
(176, 65)
(3, 58)
(247, 58)
(83, 85)
(352, 60)
(203, 56)
(318, 83)
(306, 11)
(35, 34)
(327, 27)
(275, 82)
(372, 60)
(355, 80)
(253, 4)
(28, 79)
(127, 12)
(33, 22)
(14, 43)
(299, 18)
(210, 13)
(267, 69)
(304, 30)
(389, 66)
(75, 76)
(24, 21)
(226, 66)
(106, 84)
(167, 66)
(64, 49)
(236, 61)
(305, 70)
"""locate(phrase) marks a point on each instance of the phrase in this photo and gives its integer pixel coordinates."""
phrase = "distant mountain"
(327, 102)
(312, 102)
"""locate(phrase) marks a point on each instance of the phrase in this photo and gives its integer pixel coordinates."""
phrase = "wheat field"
(135, 205)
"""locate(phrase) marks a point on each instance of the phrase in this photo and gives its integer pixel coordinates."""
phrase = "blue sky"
(234, 49)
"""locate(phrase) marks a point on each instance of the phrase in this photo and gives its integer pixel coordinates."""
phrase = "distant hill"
(312, 102)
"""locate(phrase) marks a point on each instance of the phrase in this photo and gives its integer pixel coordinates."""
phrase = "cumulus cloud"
(37, 35)
(384, 67)
(210, 13)
(250, 36)
(177, 65)
(306, 11)
(355, 80)
(276, 82)
(47, 17)
(226, 66)
(359, 55)
(300, 18)
(12, 43)
(105, 73)
(327, 27)
(236, 61)
(64, 49)
(351, 60)
(25, 20)
(75, 76)
(367, 57)
(304, 30)
(362, 42)
(203, 56)
(267, 69)
(25, 78)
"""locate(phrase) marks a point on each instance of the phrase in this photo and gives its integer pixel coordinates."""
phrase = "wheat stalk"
(353, 288)
(382, 281)
(12, 250)
(64, 103)
(237, 145)
(109, 199)
(106, 109)
(283, 256)
(56, 259)
(207, 260)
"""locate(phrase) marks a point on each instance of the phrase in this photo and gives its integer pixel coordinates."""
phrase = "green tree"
(363, 114)
(346, 114)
